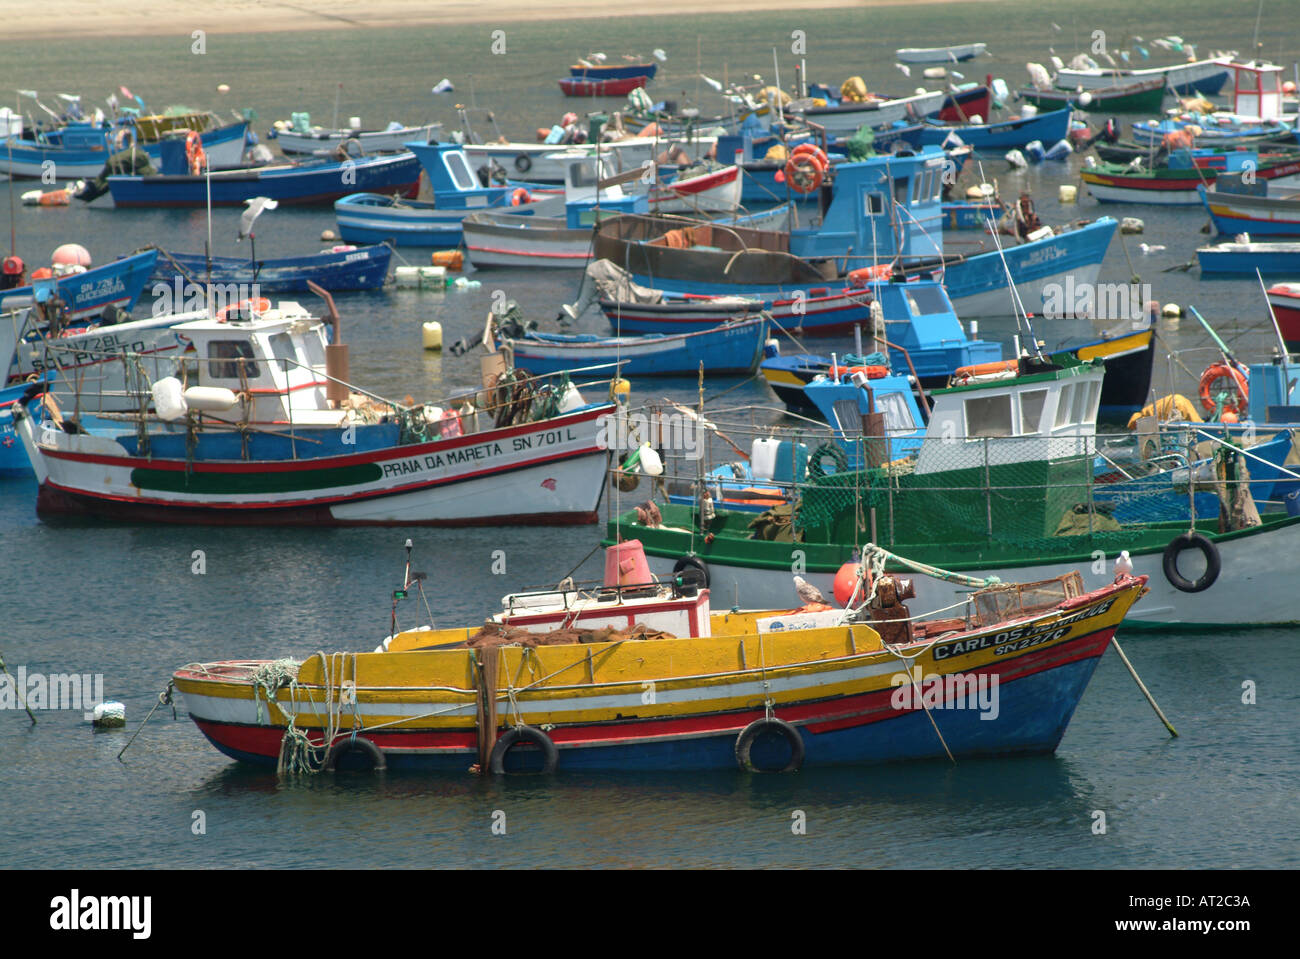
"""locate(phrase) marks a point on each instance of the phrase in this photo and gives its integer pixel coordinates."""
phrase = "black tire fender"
(695, 563)
(378, 762)
(523, 163)
(513, 737)
(745, 742)
(1213, 564)
(838, 459)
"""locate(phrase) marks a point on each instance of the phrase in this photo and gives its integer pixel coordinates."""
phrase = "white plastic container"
(169, 399)
(571, 399)
(432, 335)
(762, 457)
(210, 399)
(650, 461)
(354, 123)
(1068, 193)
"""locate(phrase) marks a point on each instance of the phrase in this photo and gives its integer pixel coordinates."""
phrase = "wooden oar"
(1142, 686)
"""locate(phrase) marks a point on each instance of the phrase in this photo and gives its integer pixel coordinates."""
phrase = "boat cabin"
(1256, 90)
(589, 194)
(1052, 409)
(277, 358)
(454, 183)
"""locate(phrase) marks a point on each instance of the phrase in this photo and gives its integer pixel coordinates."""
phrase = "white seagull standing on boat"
(807, 591)
(1123, 564)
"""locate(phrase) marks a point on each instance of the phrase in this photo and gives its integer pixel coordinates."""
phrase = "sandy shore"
(124, 18)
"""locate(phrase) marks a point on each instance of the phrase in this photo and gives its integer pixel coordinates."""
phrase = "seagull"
(255, 207)
(660, 55)
(907, 71)
(807, 592)
(1123, 564)
(1150, 248)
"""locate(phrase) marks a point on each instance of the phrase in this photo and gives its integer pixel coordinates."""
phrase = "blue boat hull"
(362, 269)
(26, 159)
(1220, 262)
(614, 71)
(118, 283)
(724, 350)
(310, 184)
(1045, 127)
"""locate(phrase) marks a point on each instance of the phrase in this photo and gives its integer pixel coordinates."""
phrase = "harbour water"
(134, 603)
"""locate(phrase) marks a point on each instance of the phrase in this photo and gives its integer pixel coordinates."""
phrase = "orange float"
(1221, 371)
(194, 154)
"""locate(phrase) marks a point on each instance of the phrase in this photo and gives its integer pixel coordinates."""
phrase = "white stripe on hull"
(997, 302)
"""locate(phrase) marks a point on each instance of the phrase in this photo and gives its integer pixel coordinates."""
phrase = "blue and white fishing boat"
(1237, 213)
(306, 184)
(885, 209)
(1205, 77)
(375, 218)
(343, 268)
(1047, 128)
(1244, 258)
(732, 348)
(80, 150)
(118, 283)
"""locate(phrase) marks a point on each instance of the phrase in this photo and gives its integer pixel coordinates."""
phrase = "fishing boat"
(457, 193)
(1180, 181)
(847, 117)
(1284, 302)
(1245, 257)
(344, 267)
(1142, 96)
(542, 163)
(81, 150)
(270, 433)
(680, 258)
(774, 690)
(1236, 213)
(732, 348)
(609, 71)
(305, 184)
(307, 140)
(1206, 77)
(88, 292)
(1002, 486)
(600, 86)
(957, 53)
(1220, 130)
(1001, 135)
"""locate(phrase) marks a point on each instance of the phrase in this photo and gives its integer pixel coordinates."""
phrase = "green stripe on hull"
(249, 484)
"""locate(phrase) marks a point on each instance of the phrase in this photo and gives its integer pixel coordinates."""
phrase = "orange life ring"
(194, 154)
(1219, 371)
(804, 172)
(520, 196)
(873, 372)
(260, 305)
(964, 374)
(812, 150)
(869, 274)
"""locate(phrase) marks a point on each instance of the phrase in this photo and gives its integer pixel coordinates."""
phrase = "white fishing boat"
(540, 162)
(1206, 77)
(270, 433)
(956, 53)
(847, 118)
(320, 141)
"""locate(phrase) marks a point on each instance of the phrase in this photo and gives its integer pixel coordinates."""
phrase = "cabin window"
(918, 184)
(900, 190)
(928, 300)
(1093, 394)
(1063, 402)
(224, 356)
(282, 350)
(459, 171)
(988, 416)
(848, 416)
(1080, 413)
(580, 175)
(1031, 410)
(898, 416)
(313, 349)
(874, 204)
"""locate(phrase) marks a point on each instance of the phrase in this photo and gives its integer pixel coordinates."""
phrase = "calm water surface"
(123, 601)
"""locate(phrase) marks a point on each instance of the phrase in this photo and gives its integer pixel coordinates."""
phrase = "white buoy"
(433, 335)
(328, 236)
(650, 461)
(1068, 193)
(109, 715)
(1171, 310)
(210, 399)
(223, 87)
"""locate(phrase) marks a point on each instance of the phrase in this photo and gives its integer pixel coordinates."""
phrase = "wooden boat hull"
(1143, 97)
(958, 53)
(614, 71)
(224, 147)
(1175, 187)
(1284, 300)
(511, 241)
(358, 269)
(1205, 77)
(837, 687)
(539, 473)
(846, 119)
(314, 184)
(1234, 213)
(1243, 259)
(731, 349)
(600, 87)
(118, 283)
(1004, 135)
(325, 142)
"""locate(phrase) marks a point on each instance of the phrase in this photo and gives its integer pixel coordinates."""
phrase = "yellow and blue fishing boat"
(646, 677)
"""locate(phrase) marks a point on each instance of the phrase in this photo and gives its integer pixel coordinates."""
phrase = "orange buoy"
(964, 374)
(520, 196)
(805, 172)
(453, 260)
(869, 274)
(873, 372)
(259, 305)
(194, 154)
(846, 581)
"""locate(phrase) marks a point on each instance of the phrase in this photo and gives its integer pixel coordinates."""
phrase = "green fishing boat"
(1002, 486)
(1146, 96)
